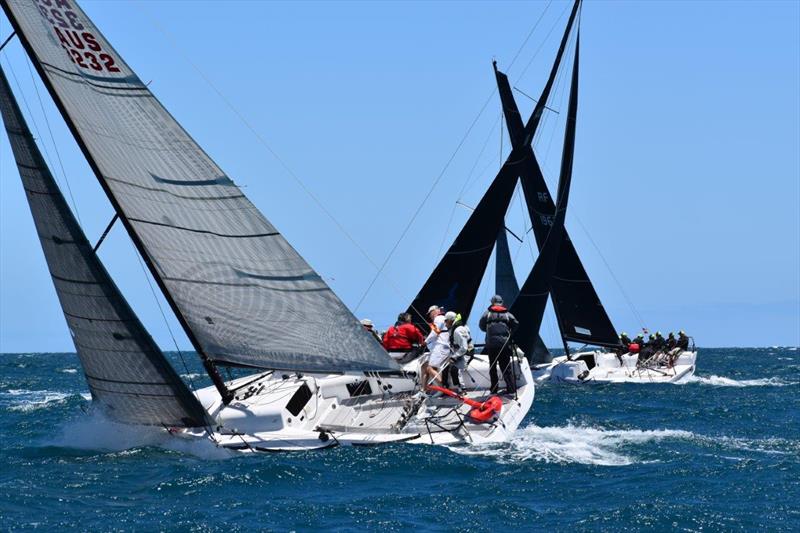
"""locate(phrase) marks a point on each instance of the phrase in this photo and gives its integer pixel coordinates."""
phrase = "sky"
(685, 200)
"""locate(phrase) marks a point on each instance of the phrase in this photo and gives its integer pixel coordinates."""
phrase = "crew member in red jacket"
(403, 336)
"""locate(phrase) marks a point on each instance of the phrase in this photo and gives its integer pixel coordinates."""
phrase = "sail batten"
(193, 226)
(112, 345)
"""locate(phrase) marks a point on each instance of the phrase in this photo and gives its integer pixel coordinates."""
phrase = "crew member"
(499, 325)
(671, 341)
(625, 342)
(460, 347)
(367, 323)
(438, 341)
(403, 336)
(683, 341)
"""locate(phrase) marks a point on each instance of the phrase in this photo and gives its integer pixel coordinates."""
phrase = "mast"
(579, 311)
(455, 281)
(532, 300)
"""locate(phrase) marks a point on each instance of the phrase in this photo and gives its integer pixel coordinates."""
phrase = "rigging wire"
(53, 140)
(39, 137)
(452, 157)
(637, 315)
(463, 188)
(164, 317)
(544, 41)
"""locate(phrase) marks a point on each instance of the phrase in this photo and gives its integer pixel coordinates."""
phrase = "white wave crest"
(69, 370)
(31, 400)
(572, 444)
(720, 381)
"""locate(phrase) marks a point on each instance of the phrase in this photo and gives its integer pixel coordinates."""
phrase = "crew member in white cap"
(367, 323)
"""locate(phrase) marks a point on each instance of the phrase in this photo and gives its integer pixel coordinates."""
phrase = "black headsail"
(455, 281)
(127, 374)
(580, 314)
(506, 286)
(532, 300)
(243, 295)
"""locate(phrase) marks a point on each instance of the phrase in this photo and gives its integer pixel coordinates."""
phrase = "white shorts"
(437, 360)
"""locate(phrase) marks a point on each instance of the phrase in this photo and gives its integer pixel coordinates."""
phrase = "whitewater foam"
(572, 444)
(95, 432)
(31, 400)
(721, 381)
(608, 447)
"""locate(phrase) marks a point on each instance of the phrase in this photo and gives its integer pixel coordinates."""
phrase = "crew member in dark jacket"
(499, 325)
(683, 341)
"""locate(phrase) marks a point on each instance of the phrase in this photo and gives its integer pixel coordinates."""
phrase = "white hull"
(289, 412)
(604, 367)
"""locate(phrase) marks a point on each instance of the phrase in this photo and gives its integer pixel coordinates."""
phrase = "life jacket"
(453, 346)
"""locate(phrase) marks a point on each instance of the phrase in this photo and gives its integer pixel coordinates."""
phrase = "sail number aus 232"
(81, 46)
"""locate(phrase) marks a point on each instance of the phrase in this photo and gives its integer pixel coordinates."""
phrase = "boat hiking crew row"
(449, 344)
(656, 347)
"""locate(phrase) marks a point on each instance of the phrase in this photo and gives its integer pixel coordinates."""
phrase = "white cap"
(366, 322)
(433, 308)
(451, 316)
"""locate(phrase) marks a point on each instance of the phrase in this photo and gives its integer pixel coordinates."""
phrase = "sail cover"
(579, 311)
(243, 294)
(127, 373)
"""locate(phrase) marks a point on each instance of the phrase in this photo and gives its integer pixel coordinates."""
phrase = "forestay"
(243, 294)
(126, 372)
(579, 311)
(532, 298)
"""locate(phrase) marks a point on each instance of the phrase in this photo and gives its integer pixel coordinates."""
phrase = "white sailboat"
(579, 312)
(242, 294)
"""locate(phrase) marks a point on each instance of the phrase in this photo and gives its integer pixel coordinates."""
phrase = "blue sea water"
(721, 452)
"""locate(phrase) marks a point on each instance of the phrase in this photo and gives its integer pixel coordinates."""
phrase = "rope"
(166, 322)
(48, 158)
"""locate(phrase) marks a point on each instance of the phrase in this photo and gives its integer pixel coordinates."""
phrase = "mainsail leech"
(127, 374)
(239, 289)
(579, 312)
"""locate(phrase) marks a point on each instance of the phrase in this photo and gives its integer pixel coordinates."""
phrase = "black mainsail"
(579, 311)
(532, 298)
(127, 374)
(242, 293)
(456, 279)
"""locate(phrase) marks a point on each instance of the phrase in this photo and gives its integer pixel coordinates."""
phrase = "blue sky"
(687, 172)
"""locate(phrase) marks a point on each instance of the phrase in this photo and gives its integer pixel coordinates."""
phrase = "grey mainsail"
(242, 293)
(126, 372)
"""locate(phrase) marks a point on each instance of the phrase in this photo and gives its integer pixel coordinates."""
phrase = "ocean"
(720, 453)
